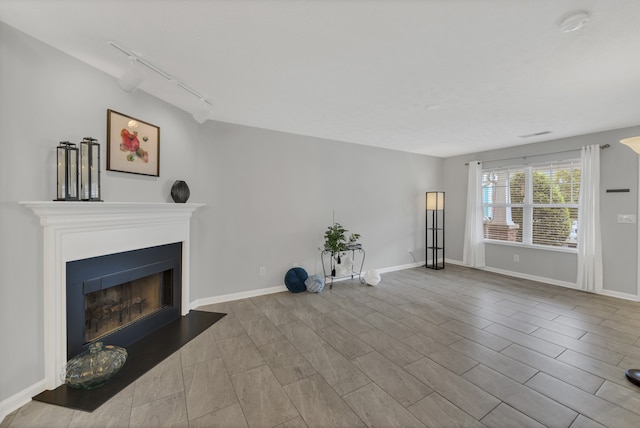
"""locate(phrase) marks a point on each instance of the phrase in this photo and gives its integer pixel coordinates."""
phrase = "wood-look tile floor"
(450, 348)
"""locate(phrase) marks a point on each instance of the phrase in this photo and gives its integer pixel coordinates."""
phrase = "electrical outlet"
(516, 258)
(626, 218)
(263, 271)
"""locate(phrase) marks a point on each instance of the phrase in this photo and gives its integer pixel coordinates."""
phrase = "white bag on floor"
(372, 277)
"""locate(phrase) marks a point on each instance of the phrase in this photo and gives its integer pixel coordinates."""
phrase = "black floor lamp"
(435, 230)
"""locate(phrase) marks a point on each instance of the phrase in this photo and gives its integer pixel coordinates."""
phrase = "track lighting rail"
(159, 71)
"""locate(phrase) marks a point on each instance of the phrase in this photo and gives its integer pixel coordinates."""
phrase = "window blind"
(534, 204)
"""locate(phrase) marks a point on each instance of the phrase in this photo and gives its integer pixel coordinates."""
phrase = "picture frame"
(133, 145)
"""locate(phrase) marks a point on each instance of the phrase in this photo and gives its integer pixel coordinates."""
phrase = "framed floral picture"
(133, 145)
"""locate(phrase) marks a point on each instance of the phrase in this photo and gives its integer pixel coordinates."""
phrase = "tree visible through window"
(535, 205)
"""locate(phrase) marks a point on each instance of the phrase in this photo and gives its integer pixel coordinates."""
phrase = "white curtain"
(473, 254)
(589, 237)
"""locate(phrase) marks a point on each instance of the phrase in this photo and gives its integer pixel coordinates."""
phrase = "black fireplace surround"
(101, 273)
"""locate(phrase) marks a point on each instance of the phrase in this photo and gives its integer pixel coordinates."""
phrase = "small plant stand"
(354, 249)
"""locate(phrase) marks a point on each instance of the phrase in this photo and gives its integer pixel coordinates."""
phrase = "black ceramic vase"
(180, 192)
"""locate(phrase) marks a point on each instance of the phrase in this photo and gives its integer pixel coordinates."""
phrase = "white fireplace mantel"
(79, 230)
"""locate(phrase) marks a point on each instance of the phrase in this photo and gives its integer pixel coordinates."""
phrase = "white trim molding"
(79, 230)
(619, 295)
(551, 281)
(536, 278)
(237, 296)
(513, 274)
(399, 267)
(19, 399)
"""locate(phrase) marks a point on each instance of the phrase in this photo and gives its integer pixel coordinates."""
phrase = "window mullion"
(527, 214)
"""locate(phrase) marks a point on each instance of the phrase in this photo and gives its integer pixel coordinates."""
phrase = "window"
(532, 205)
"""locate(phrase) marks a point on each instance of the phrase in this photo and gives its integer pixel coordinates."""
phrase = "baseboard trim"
(399, 267)
(264, 291)
(537, 278)
(21, 398)
(620, 295)
(236, 296)
(280, 288)
(551, 281)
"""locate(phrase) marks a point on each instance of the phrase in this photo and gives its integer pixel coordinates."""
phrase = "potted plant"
(335, 240)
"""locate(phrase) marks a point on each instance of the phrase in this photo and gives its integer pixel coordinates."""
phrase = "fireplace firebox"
(120, 298)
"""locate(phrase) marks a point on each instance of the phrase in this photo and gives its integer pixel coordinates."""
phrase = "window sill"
(533, 247)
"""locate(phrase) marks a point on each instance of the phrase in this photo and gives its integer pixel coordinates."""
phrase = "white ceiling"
(365, 71)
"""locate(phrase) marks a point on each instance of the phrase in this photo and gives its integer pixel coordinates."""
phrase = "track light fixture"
(202, 114)
(133, 77)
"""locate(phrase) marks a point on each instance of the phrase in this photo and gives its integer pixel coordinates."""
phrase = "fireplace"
(120, 298)
(83, 230)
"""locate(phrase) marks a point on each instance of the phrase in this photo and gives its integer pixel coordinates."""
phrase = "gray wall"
(618, 169)
(269, 195)
(272, 195)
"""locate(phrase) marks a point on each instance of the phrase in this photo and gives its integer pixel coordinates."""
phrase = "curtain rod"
(602, 147)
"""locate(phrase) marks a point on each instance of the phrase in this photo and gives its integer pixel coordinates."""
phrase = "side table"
(355, 249)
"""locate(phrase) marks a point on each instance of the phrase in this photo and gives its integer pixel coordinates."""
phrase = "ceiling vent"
(574, 21)
(537, 134)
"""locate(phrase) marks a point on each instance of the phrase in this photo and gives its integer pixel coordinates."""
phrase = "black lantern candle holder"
(90, 169)
(67, 172)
